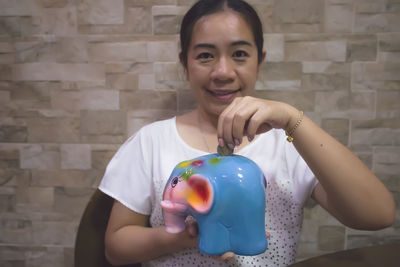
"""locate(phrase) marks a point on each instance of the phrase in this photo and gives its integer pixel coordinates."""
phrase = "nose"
(223, 70)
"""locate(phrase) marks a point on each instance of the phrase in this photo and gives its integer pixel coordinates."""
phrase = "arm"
(347, 189)
(130, 239)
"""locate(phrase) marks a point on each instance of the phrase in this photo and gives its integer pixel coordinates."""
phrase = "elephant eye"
(175, 181)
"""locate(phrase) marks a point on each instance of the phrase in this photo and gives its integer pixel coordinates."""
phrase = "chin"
(215, 109)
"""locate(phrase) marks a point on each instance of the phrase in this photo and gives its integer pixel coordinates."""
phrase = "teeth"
(224, 92)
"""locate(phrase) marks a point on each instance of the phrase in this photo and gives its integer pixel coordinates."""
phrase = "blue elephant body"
(235, 220)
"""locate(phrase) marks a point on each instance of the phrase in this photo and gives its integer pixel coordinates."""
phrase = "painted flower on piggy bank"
(226, 195)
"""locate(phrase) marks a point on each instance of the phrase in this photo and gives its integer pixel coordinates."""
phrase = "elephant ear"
(201, 194)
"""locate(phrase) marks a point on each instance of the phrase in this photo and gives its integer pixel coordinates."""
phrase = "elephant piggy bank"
(226, 196)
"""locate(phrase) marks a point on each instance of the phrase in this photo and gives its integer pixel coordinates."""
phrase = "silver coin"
(224, 151)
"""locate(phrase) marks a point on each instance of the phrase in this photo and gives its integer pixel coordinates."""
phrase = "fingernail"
(231, 146)
(250, 138)
(221, 142)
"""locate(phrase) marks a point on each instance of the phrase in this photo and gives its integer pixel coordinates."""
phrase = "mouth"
(223, 94)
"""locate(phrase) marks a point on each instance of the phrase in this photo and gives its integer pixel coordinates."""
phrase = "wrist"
(293, 115)
(293, 124)
(171, 242)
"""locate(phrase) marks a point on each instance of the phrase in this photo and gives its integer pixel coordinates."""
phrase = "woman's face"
(222, 60)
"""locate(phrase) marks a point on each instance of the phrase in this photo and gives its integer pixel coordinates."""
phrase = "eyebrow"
(236, 43)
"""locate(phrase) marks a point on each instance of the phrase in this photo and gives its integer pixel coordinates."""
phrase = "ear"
(201, 194)
(260, 64)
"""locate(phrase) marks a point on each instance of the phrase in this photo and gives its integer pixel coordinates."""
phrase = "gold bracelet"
(290, 133)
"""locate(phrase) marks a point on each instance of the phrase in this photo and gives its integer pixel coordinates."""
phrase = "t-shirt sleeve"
(127, 177)
(304, 179)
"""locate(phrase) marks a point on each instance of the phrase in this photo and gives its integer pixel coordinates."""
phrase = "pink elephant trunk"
(174, 216)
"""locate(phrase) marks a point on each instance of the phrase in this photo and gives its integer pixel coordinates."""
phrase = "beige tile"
(127, 51)
(62, 178)
(16, 8)
(102, 122)
(298, 11)
(162, 51)
(54, 129)
(58, 21)
(124, 81)
(386, 160)
(53, 3)
(6, 47)
(338, 128)
(147, 99)
(71, 49)
(39, 157)
(13, 133)
(75, 156)
(57, 233)
(100, 12)
(330, 50)
(339, 16)
(376, 22)
(56, 71)
(86, 99)
(388, 104)
(71, 200)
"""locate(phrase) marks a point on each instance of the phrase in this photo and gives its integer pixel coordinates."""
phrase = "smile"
(223, 94)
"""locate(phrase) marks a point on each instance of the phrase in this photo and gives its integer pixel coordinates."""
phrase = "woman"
(222, 54)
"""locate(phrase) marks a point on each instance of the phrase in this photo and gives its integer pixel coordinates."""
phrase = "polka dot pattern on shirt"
(283, 218)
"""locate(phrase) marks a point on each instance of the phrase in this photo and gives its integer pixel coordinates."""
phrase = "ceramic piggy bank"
(226, 196)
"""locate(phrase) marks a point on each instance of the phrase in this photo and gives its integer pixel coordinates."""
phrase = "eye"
(240, 54)
(174, 181)
(205, 56)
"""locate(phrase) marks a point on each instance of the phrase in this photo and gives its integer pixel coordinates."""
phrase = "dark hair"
(207, 7)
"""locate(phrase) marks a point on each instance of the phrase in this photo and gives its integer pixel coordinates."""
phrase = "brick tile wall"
(78, 77)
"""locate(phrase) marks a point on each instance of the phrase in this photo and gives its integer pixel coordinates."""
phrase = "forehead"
(224, 26)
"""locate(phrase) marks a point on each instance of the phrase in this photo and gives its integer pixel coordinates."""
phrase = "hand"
(227, 256)
(187, 238)
(248, 116)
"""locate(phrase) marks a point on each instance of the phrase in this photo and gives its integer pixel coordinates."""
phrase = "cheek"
(249, 77)
(196, 74)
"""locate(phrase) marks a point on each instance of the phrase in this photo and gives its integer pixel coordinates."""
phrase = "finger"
(225, 124)
(242, 116)
(227, 131)
(257, 125)
(227, 256)
(268, 234)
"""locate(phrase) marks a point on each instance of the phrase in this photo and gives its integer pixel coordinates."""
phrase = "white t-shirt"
(138, 172)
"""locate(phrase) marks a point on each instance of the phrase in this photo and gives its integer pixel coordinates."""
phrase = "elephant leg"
(251, 240)
(213, 238)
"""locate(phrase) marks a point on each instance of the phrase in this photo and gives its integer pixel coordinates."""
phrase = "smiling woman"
(222, 54)
(222, 61)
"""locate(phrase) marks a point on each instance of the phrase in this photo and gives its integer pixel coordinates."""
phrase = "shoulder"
(156, 129)
(147, 135)
(156, 126)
